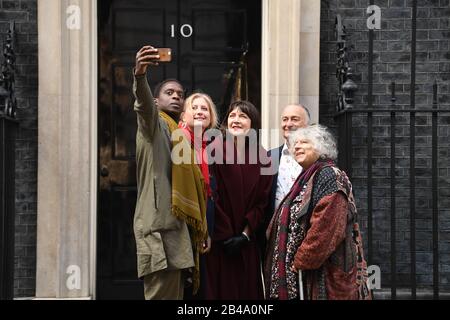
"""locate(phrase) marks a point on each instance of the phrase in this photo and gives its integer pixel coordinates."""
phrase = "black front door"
(216, 47)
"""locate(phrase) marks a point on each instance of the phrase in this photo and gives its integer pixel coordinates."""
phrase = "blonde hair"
(212, 107)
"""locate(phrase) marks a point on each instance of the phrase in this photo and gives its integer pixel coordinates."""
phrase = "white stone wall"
(67, 148)
(290, 61)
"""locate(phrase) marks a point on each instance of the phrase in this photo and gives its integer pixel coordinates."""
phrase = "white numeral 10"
(186, 30)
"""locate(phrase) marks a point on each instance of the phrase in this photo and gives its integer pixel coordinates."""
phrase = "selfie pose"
(169, 196)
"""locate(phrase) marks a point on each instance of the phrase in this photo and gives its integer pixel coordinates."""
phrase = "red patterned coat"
(323, 240)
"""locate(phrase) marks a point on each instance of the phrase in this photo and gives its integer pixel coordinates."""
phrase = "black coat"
(261, 235)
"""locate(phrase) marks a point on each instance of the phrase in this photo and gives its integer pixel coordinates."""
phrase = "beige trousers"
(164, 285)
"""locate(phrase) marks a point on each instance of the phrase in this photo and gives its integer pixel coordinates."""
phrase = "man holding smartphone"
(164, 248)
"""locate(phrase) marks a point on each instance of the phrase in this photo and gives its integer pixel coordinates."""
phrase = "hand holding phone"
(150, 56)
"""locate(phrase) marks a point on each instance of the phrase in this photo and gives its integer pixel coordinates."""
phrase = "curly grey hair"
(320, 137)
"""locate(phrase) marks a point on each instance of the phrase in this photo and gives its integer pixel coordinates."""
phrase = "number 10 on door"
(186, 30)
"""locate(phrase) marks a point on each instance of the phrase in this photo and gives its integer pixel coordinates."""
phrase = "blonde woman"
(199, 115)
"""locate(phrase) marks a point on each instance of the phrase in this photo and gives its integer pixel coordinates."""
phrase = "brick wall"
(24, 13)
(392, 62)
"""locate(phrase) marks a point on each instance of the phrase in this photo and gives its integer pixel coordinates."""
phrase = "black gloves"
(233, 245)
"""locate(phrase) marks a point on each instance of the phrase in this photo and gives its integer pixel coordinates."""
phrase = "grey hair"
(308, 114)
(321, 139)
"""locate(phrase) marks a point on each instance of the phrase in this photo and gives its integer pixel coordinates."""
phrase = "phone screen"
(165, 54)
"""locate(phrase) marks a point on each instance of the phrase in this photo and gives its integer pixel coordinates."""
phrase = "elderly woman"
(315, 229)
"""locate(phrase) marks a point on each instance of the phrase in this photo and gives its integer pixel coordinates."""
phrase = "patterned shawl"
(285, 237)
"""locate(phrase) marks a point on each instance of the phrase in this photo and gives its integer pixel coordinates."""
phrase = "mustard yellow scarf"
(189, 199)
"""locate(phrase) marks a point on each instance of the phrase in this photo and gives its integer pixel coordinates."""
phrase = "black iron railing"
(345, 118)
(398, 128)
(8, 127)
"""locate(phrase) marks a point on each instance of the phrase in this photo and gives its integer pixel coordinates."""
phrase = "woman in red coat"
(233, 266)
(315, 230)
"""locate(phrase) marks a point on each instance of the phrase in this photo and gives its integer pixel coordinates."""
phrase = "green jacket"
(162, 240)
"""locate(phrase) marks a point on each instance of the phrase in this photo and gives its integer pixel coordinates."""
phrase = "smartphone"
(165, 54)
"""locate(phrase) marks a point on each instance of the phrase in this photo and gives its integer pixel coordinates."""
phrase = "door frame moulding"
(94, 152)
(290, 61)
(67, 151)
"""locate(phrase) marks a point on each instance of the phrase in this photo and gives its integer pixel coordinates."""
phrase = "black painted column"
(8, 127)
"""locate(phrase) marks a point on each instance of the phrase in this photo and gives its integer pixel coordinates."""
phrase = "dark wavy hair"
(246, 107)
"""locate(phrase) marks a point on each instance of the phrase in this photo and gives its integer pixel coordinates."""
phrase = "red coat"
(241, 199)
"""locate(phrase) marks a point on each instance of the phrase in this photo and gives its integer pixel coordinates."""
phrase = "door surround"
(67, 125)
(290, 62)
(67, 152)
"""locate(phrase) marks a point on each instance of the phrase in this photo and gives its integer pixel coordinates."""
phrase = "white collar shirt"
(288, 172)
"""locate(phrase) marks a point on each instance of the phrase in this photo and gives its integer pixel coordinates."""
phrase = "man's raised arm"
(144, 105)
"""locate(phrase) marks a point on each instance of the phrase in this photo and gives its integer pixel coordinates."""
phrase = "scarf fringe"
(193, 223)
(198, 237)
